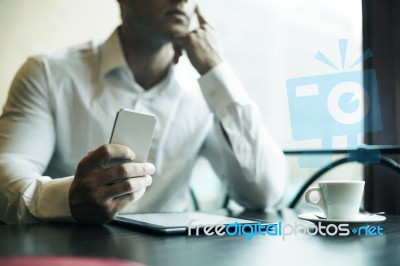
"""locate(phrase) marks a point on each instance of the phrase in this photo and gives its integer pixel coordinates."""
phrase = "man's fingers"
(106, 152)
(200, 17)
(120, 202)
(126, 186)
(124, 171)
(129, 198)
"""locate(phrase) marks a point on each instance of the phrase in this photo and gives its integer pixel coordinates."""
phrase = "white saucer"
(360, 219)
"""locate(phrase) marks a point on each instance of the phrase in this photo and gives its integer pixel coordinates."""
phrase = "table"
(114, 241)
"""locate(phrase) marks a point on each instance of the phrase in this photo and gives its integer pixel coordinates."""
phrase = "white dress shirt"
(61, 106)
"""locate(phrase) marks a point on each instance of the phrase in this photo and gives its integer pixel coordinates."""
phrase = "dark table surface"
(114, 241)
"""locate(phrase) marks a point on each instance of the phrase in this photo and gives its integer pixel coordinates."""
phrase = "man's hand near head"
(97, 193)
(200, 45)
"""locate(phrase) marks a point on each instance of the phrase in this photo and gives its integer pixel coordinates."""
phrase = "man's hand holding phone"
(97, 193)
(113, 176)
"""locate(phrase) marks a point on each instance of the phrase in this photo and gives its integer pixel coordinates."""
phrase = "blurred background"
(267, 42)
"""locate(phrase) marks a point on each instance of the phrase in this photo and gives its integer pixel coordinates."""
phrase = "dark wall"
(381, 34)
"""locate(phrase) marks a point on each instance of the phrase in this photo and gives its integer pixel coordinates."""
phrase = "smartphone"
(135, 130)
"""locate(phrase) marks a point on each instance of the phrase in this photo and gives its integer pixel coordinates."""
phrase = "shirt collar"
(162, 87)
(112, 54)
(112, 57)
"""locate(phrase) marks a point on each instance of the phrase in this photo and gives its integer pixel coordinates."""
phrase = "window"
(269, 42)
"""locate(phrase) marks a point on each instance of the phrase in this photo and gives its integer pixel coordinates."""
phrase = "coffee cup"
(338, 200)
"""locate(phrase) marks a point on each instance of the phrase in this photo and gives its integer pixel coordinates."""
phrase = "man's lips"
(178, 14)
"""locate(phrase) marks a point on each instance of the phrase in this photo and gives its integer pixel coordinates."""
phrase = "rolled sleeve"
(221, 88)
(53, 201)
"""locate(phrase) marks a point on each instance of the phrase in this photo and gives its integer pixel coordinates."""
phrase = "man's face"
(164, 17)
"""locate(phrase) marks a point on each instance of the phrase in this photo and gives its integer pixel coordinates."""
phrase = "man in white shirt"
(60, 112)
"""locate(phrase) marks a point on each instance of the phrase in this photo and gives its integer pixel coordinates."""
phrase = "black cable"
(194, 199)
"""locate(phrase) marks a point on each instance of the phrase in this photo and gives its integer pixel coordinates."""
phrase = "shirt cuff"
(54, 200)
(221, 87)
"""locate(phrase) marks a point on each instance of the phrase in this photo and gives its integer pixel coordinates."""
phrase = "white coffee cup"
(339, 200)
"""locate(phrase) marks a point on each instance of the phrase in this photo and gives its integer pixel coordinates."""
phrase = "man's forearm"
(261, 177)
(27, 197)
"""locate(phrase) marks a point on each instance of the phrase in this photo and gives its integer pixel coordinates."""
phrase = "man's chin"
(176, 30)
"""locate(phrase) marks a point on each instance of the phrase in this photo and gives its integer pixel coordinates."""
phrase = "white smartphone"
(135, 130)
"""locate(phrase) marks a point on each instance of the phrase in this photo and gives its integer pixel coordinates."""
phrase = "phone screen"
(135, 130)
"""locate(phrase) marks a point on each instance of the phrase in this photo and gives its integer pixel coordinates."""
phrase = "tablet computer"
(176, 223)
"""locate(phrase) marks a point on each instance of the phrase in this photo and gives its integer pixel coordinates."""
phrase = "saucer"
(360, 219)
